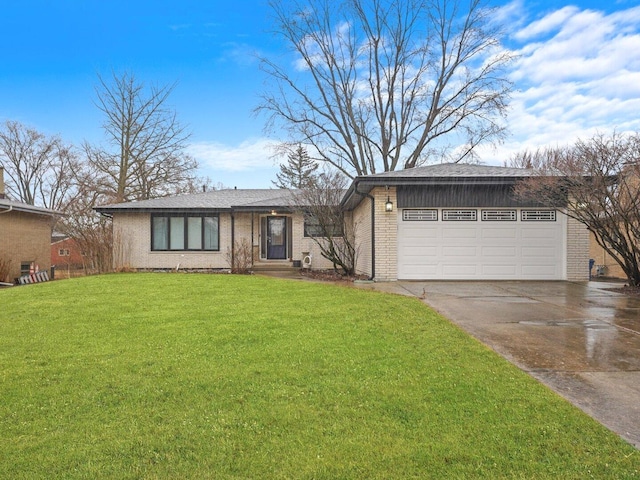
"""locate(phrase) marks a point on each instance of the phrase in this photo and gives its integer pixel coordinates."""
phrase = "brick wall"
(603, 259)
(386, 234)
(577, 251)
(133, 245)
(362, 230)
(25, 237)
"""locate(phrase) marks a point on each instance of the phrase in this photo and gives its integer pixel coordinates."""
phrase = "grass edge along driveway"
(221, 376)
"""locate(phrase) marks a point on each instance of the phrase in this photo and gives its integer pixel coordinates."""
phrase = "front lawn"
(220, 376)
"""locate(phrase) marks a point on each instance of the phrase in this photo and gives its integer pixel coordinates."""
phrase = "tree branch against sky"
(39, 169)
(599, 182)
(380, 85)
(145, 156)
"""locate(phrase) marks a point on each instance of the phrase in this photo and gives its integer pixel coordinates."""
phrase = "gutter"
(8, 210)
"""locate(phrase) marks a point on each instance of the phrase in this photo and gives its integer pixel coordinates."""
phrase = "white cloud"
(578, 73)
(249, 155)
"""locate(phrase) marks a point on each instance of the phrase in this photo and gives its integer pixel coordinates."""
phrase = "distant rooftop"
(453, 170)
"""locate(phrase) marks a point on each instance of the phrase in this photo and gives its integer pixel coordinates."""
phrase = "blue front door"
(276, 238)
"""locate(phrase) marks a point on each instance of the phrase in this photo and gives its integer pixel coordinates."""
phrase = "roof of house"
(453, 170)
(7, 205)
(438, 174)
(215, 200)
(273, 199)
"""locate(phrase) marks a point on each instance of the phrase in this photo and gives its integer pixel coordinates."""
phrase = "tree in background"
(324, 220)
(298, 172)
(39, 169)
(380, 85)
(599, 182)
(144, 156)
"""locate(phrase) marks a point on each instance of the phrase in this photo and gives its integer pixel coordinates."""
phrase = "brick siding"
(25, 237)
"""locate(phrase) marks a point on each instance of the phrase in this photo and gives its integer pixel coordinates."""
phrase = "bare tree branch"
(386, 84)
(39, 169)
(145, 153)
(598, 180)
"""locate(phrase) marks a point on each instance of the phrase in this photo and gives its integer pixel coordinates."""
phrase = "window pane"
(211, 233)
(176, 230)
(160, 233)
(194, 233)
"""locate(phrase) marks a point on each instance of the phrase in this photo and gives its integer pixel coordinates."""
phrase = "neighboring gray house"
(447, 221)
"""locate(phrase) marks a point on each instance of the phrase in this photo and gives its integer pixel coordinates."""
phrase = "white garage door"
(481, 244)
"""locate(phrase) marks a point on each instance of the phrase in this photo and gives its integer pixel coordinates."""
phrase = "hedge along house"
(203, 231)
(439, 222)
(461, 222)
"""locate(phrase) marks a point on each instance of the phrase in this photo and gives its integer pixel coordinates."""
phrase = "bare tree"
(379, 85)
(91, 231)
(598, 180)
(40, 169)
(325, 222)
(144, 157)
(298, 172)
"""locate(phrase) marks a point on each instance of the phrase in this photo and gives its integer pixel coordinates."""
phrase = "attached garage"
(461, 222)
(481, 244)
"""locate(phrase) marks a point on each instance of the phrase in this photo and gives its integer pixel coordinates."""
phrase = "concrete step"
(274, 267)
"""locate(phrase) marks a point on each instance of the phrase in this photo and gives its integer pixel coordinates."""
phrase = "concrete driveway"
(580, 339)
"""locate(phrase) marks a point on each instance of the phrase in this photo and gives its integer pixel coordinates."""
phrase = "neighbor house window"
(63, 252)
(313, 228)
(184, 232)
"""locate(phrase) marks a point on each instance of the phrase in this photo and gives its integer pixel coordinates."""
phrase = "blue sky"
(578, 71)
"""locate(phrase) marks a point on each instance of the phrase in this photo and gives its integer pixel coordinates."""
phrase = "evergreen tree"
(298, 172)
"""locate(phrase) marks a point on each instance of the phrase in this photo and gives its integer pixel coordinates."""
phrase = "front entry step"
(259, 267)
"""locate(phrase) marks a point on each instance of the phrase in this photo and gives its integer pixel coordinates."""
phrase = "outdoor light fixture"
(388, 206)
(273, 212)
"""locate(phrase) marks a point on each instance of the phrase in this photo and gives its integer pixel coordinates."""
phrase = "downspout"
(373, 230)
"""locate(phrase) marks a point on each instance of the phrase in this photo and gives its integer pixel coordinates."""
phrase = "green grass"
(219, 376)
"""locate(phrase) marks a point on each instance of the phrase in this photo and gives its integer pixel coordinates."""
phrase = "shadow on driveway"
(580, 339)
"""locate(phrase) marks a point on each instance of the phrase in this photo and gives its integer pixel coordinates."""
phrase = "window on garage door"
(460, 215)
(499, 215)
(538, 215)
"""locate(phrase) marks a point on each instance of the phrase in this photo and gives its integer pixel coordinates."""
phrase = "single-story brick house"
(445, 221)
(65, 252)
(25, 237)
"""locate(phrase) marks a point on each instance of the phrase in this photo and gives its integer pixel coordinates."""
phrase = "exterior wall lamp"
(388, 206)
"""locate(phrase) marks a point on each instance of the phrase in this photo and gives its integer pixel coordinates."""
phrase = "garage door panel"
(509, 253)
(497, 271)
(499, 234)
(538, 233)
(416, 234)
(419, 251)
(459, 233)
(540, 271)
(498, 250)
(460, 251)
(541, 253)
(417, 271)
(460, 270)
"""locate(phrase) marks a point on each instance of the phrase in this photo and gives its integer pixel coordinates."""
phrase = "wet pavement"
(580, 339)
